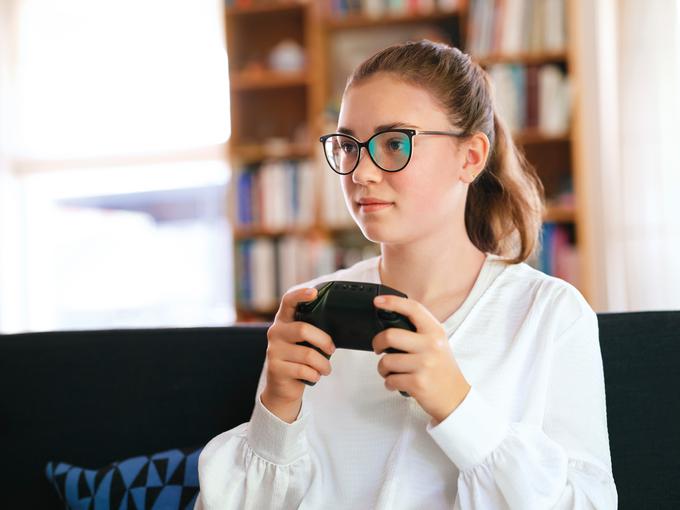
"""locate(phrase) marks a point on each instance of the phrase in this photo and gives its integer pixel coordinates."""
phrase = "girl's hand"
(287, 362)
(427, 370)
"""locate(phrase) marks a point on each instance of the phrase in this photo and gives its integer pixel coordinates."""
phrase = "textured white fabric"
(531, 433)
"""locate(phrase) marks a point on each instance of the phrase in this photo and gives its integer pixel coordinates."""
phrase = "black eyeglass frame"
(410, 132)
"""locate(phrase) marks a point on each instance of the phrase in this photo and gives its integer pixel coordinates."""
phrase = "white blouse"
(530, 434)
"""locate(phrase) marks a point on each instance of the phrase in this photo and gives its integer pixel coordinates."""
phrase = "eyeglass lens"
(390, 150)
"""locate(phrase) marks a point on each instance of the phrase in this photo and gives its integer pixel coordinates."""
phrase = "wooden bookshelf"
(268, 106)
(352, 21)
(268, 80)
(539, 58)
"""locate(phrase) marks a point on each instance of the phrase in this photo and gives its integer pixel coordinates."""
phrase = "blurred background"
(160, 164)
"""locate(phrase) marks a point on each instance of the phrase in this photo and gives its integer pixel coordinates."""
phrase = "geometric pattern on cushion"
(162, 481)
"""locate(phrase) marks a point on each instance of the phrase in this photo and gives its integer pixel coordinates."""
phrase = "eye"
(395, 145)
(347, 147)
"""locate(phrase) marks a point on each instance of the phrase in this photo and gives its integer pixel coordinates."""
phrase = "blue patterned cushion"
(163, 481)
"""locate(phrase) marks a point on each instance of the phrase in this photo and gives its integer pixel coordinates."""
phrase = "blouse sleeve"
(565, 464)
(264, 463)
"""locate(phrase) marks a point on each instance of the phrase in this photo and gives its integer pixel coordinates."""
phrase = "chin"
(382, 234)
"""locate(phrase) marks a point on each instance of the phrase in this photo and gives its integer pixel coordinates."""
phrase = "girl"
(504, 370)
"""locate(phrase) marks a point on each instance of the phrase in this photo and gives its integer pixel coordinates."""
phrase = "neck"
(432, 271)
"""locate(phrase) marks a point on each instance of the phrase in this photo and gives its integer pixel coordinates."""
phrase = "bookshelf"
(286, 209)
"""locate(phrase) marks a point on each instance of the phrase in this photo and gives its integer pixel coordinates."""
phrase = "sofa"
(92, 397)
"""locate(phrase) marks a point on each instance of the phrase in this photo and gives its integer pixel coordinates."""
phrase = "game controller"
(345, 311)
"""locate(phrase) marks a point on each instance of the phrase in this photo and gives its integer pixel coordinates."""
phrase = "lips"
(372, 201)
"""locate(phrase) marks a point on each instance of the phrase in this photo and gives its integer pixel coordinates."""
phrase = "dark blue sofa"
(92, 397)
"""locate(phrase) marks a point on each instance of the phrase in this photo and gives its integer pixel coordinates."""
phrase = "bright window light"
(97, 77)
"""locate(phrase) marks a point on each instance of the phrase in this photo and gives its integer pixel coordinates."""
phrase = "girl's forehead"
(381, 100)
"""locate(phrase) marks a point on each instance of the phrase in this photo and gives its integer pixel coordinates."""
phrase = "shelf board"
(364, 21)
(255, 314)
(268, 80)
(544, 57)
(535, 136)
(263, 8)
(247, 233)
(251, 153)
(560, 214)
(312, 230)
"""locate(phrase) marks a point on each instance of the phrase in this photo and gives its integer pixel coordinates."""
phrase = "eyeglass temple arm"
(449, 133)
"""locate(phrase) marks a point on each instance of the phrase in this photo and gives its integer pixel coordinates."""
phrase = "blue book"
(245, 287)
(243, 200)
(546, 255)
(520, 83)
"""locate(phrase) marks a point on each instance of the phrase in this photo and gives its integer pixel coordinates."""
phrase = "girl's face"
(428, 195)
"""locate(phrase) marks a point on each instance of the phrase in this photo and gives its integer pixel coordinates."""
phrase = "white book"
(507, 97)
(289, 263)
(306, 193)
(282, 191)
(333, 207)
(536, 42)
(485, 26)
(553, 100)
(374, 8)
(555, 36)
(512, 27)
(272, 195)
(264, 183)
(275, 195)
(288, 171)
(263, 274)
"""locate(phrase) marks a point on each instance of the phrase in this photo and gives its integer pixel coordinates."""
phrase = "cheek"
(421, 187)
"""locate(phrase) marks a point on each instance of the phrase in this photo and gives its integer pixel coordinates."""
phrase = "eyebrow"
(382, 127)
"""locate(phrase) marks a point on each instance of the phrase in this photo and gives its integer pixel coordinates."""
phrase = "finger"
(297, 371)
(400, 339)
(401, 382)
(308, 356)
(398, 364)
(298, 331)
(420, 316)
(289, 301)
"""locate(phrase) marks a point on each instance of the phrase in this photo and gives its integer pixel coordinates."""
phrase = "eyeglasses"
(389, 150)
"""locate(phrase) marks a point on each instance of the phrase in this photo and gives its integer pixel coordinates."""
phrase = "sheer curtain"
(628, 54)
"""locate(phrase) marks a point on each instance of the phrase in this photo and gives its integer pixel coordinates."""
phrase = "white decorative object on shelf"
(287, 57)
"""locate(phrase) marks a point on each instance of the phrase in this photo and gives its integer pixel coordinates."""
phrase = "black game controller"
(345, 311)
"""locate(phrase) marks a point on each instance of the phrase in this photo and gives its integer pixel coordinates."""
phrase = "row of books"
(280, 194)
(532, 97)
(558, 255)
(516, 26)
(378, 8)
(267, 267)
(275, 194)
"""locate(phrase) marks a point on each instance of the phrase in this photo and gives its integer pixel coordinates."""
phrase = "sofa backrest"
(91, 397)
(641, 358)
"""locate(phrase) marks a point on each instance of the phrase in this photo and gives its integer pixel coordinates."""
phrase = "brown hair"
(505, 203)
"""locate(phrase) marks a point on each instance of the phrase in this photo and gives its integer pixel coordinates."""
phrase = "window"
(120, 119)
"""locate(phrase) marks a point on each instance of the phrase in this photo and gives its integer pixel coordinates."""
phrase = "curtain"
(628, 55)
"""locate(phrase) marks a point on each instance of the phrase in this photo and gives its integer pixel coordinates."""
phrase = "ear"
(476, 149)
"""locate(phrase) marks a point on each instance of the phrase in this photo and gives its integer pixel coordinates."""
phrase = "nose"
(366, 171)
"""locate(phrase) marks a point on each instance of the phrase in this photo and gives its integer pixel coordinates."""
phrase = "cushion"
(166, 480)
